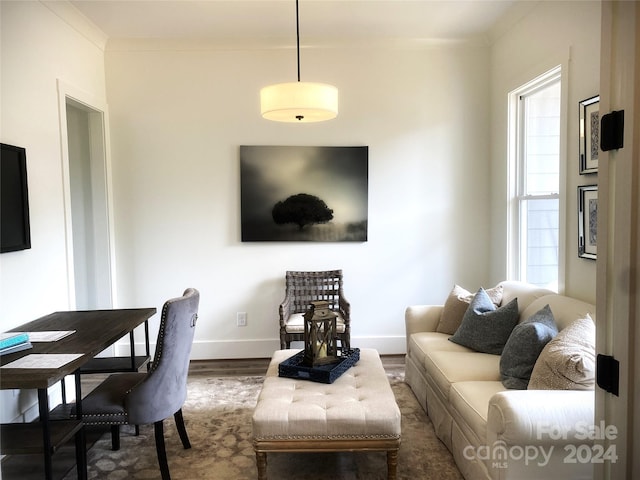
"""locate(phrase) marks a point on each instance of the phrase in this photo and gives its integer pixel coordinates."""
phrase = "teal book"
(9, 339)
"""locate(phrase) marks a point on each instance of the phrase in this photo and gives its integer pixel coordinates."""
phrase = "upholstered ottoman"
(357, 412)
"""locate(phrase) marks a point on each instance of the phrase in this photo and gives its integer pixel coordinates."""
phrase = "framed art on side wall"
(589, 134)
(587, 221)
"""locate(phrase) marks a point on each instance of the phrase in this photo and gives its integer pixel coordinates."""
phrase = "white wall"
(178, 117)
(550, 34)
(37, 50)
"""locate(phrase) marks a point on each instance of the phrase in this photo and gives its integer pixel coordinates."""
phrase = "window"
(534, 177)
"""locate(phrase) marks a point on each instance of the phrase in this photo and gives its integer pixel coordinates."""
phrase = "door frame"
(618, 263)
(99, 146)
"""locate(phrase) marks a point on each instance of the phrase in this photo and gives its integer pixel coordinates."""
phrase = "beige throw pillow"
(568, 362)
(456, 305)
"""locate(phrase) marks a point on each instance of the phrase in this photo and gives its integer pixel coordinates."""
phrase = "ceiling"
(320, 20)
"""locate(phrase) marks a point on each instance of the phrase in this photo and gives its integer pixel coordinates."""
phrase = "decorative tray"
(294, 367)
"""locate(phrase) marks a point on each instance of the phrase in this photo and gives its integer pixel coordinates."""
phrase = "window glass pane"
(542, 141)
(542, 238)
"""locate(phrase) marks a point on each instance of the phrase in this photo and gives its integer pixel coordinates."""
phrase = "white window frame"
(515, 188)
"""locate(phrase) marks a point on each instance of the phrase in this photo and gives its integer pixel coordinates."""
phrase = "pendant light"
(301, 102)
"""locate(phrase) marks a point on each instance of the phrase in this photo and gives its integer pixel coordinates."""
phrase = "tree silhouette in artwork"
(302, 209)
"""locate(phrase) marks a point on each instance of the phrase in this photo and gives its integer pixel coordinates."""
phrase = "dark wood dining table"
(93, 332)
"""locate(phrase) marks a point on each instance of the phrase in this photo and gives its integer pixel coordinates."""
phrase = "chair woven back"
(306, 287)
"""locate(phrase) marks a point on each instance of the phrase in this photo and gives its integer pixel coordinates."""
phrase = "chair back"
(306, 287)
(164, 390)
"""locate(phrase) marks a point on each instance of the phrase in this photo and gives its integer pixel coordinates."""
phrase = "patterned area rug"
(218, 419)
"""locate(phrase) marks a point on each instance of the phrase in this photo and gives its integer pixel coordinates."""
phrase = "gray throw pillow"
(524, 346)
(484, 327)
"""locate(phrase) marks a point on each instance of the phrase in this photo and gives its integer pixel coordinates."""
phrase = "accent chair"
(151, 397)
(301, 289)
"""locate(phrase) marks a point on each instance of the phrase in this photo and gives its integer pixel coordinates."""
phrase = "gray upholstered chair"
(301, 289)
(151, 397)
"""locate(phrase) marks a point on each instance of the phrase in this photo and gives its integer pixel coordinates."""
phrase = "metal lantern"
(320, 335)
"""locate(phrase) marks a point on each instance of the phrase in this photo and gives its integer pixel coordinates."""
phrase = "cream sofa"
(494, 432)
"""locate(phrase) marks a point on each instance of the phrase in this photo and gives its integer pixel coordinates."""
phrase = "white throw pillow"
(568, 362)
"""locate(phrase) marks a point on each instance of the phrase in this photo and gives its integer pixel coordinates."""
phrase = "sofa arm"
(421, 318)
(541, 417)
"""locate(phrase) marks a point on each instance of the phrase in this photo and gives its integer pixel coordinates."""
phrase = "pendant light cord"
(298, 38)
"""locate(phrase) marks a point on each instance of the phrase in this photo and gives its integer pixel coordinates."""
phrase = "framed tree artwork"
(303, 194)
(589, 134)
(587, 221)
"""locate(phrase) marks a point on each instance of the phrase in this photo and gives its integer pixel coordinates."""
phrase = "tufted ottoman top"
(358, 405)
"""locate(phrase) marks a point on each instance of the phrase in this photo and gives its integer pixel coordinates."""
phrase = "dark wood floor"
(258, 366)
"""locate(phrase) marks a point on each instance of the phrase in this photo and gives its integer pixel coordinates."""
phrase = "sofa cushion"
(484, 327)
(568, 362)
(524, 346)
(471, 402)
(422, 343)
(456, 305)
(447, 367)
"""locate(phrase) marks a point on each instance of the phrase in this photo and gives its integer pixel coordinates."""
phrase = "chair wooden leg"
(162, 452)
(115, 437)
(181, 429)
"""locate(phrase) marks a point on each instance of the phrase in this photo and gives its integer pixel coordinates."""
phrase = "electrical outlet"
(241, 319)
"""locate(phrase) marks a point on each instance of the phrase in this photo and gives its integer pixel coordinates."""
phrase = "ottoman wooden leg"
(392, 464)
(261, 461)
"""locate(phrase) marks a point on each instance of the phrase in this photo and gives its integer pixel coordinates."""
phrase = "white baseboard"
(264, 348)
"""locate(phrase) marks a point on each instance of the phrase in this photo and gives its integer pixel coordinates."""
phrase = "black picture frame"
(588, 221)
(589, 134)
(15, 230)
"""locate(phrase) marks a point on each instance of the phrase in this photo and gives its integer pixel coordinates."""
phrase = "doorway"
(87, 200)
(89, 210)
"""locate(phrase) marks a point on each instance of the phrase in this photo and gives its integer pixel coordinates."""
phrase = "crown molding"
(64, 10)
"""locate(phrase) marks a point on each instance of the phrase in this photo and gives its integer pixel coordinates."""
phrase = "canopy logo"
(499, 454)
